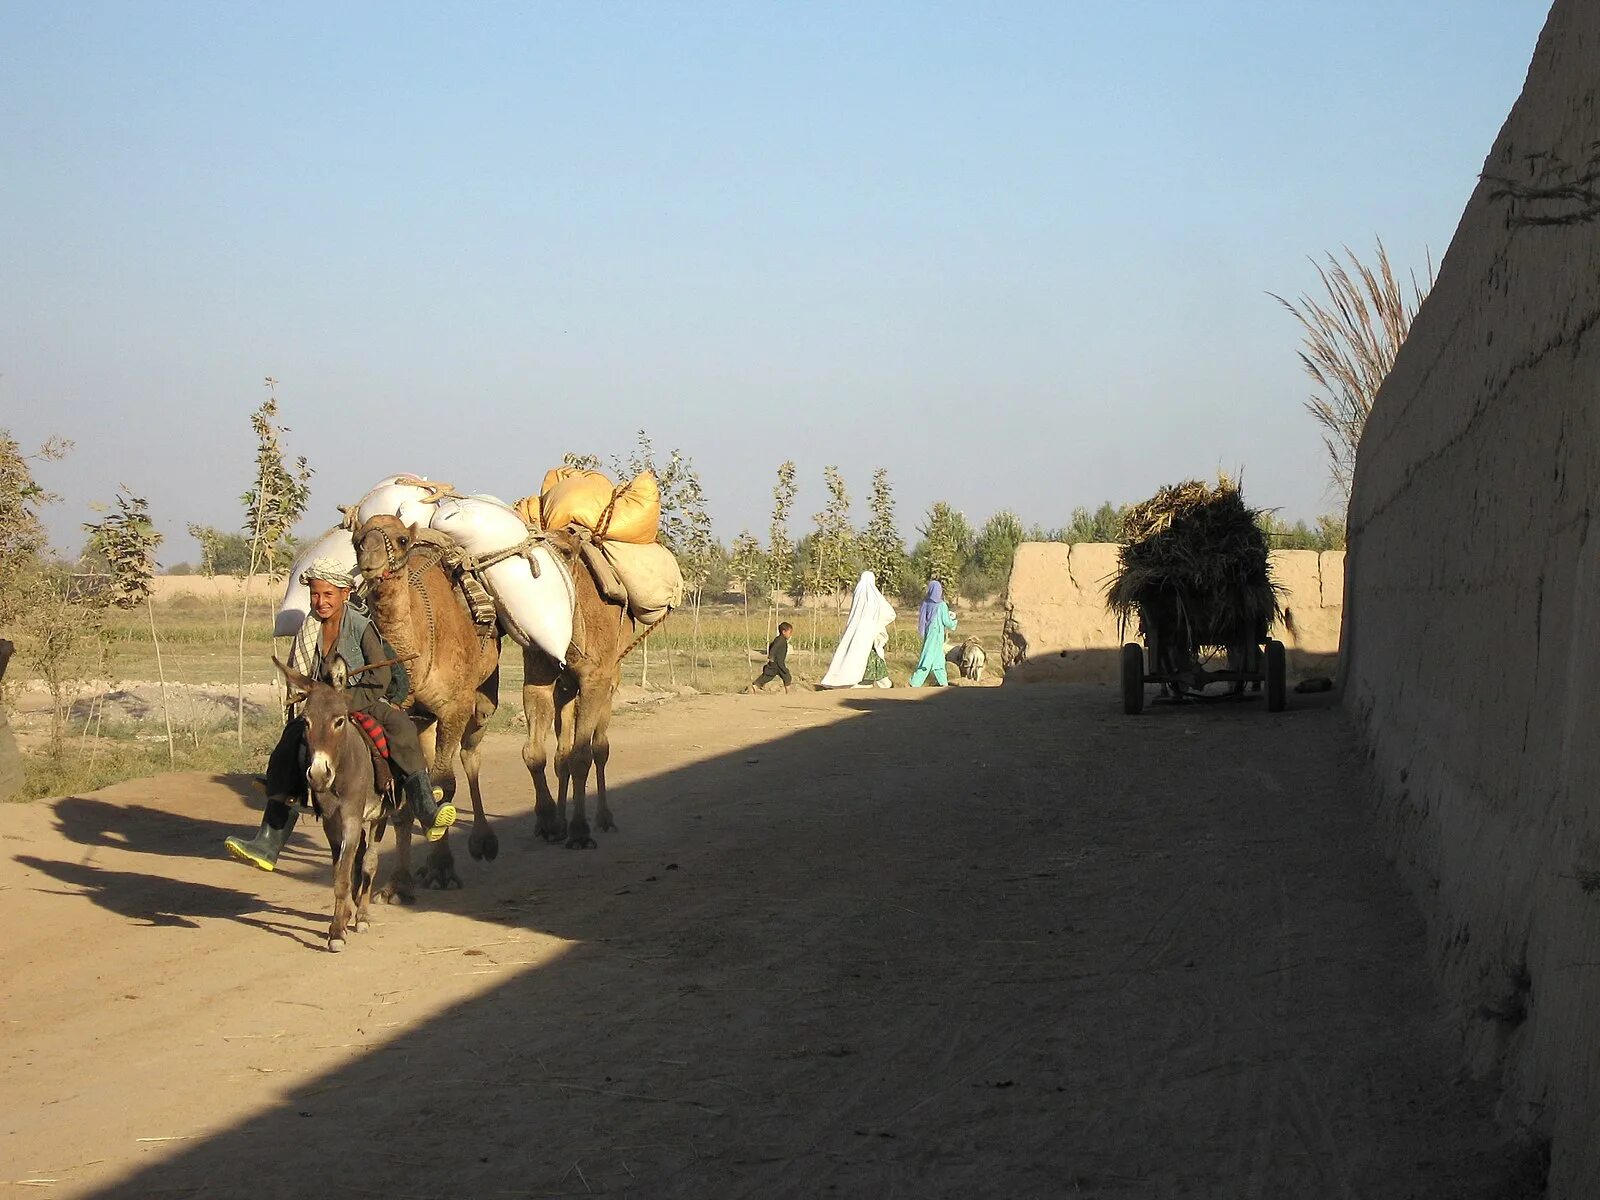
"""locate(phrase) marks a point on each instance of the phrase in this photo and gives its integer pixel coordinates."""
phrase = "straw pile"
(1195, 564)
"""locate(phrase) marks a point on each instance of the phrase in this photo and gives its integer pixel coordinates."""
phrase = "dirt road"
(999, 942)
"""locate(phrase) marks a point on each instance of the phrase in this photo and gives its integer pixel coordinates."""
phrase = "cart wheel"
(1276, 669)
(1132, 678)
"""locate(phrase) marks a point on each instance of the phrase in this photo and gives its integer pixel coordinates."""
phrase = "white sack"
(296, 606)
(393, 499)
(534, 611)
(478, 524)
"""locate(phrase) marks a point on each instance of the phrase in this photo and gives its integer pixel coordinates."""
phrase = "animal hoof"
(581, 843)
(485, 846)
(335, 944)
(607, 825)
(397, 896)
(363, 926)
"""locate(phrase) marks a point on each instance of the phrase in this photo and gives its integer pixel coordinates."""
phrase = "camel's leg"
(602, 754)
(539, 706)
(401, 888)
(440, 869)
(345, 831)
(482, 842)
(565, 724)
(594, 696)
(367, 873)
(539, 673)
(427, 736)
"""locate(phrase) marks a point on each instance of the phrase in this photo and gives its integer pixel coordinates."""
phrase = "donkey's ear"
(339, 672)
(411, 533)
(296, 680)
(299, 685)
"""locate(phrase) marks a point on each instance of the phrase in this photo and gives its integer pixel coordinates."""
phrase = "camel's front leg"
(401, 888)
(593, 696)
(440, 869)
(481, 842)
(566, 726)
(539, 707)
(602, 755)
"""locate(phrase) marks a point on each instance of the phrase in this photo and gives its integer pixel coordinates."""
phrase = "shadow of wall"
(986, 945)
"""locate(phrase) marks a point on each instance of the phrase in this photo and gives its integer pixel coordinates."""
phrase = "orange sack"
(575, 497)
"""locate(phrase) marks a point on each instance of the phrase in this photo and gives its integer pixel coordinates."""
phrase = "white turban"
(329, 570)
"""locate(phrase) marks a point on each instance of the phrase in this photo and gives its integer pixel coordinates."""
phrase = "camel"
(455, 676)
(575, 702)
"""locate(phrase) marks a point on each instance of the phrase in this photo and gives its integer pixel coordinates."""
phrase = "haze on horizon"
(1019, 255)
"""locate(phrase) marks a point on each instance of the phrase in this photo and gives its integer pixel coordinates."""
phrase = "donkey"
(347, 792)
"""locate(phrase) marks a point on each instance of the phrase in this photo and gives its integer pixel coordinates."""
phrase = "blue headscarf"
(930, 607)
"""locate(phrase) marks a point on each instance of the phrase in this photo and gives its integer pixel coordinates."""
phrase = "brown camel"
(575, 703)
(455, 676)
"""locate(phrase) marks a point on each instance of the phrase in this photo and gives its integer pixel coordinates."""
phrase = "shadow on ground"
(1002, 942)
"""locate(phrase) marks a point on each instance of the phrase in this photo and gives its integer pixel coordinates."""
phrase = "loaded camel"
(454, 666)
(575, 702)
(455, 678)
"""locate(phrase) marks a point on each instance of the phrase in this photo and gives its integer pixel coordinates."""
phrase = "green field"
(199, 644)
(721, 651)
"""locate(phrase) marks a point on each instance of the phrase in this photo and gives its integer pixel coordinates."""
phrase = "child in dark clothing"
(777, 662)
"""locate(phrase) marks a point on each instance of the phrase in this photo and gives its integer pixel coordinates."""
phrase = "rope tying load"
(436, 491)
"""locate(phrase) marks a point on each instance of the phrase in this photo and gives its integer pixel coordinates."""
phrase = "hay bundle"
(1195, 565)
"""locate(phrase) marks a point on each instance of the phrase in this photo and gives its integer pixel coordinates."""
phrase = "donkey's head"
(383, 544)
(327, 716)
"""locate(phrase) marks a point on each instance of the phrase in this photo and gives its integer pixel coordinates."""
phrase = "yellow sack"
(627, 514)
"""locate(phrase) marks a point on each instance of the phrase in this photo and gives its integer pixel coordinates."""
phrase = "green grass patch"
(82, 764)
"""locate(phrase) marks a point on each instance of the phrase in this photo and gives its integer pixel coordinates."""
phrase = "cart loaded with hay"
(1194, 573)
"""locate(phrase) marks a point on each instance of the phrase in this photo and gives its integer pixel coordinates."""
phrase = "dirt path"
(998, 942)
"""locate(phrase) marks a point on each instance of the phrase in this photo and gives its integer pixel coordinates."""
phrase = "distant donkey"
(972, 660)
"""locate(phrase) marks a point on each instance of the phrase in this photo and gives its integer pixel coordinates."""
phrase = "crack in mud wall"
(1472, 639)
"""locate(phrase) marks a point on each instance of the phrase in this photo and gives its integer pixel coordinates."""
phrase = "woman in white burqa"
(860, 660)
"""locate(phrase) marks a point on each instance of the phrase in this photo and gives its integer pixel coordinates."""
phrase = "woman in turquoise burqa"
(933, 619)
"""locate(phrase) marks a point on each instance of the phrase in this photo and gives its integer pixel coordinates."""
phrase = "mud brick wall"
(1058, 628)
(1472, 633)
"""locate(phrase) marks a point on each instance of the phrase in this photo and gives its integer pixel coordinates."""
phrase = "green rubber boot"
(435, 818)
(262, 850)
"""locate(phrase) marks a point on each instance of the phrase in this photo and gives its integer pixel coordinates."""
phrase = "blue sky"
(1018, 254)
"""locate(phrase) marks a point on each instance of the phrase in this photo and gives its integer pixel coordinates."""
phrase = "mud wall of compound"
(1473, 631)
(1058, 628)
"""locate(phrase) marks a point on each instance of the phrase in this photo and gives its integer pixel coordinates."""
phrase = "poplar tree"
(747, 565)
(273, 506)
(882, 549)
(129, 539)
(780, 547)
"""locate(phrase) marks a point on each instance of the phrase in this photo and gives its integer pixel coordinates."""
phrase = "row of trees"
(59, 609)
(972, 562)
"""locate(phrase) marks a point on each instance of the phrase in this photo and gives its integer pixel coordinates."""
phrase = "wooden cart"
(1177, 654)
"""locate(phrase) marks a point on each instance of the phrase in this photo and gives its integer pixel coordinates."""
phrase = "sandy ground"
(981, 942)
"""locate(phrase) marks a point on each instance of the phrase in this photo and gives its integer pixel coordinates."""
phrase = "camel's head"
(382, 546)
